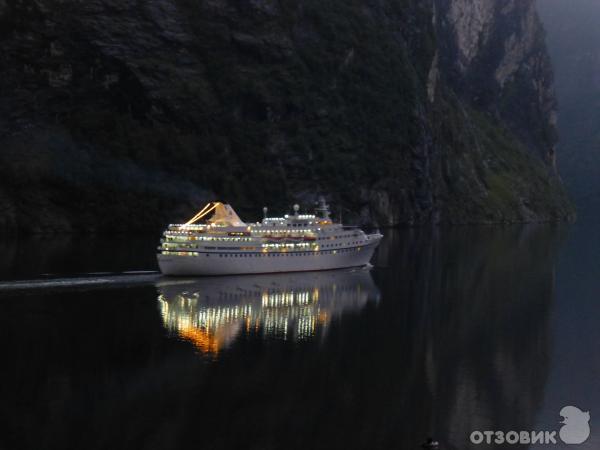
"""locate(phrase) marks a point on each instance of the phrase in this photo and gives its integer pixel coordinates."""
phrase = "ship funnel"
(223, 214)
(226, 216)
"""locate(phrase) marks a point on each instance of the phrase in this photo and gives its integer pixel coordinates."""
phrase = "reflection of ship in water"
(211, 312)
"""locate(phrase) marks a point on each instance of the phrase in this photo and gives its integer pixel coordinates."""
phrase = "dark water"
(452, 331)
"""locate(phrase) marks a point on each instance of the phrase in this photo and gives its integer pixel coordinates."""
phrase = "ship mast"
(322, 209)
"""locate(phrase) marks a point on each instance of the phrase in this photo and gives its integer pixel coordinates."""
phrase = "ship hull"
(252, 263)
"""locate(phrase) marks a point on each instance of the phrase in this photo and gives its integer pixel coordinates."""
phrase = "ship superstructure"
(225, 245)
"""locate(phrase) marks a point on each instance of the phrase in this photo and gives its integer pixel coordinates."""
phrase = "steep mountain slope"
(574, 43)
(118, 114)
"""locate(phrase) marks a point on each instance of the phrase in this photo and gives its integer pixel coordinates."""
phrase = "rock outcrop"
(498, 59)
(119, 114)
(574, 44)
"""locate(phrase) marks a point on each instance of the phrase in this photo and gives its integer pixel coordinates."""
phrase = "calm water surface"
(452, 331)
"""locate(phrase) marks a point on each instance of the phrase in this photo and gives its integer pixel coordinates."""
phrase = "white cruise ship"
(225, 245)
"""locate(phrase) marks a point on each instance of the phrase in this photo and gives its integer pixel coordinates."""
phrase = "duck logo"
(576, 427)
(575, 430)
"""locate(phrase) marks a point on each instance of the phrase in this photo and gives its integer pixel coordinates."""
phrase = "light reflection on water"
(476, 328)
(212, 312)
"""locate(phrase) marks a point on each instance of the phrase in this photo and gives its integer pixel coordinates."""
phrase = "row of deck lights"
(168, 245)
(264, 250)
(188, 233)
(212, 239)
(299, 244)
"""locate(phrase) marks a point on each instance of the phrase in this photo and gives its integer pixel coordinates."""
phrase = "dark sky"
(573, 36)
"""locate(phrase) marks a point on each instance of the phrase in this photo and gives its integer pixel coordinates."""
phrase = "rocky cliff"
(574, 44)
(121, 114)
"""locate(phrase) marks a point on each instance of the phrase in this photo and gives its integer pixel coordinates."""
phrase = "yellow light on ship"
(316, 294)
(203, 212)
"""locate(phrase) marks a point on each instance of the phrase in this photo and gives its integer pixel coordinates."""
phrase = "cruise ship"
(224, 245)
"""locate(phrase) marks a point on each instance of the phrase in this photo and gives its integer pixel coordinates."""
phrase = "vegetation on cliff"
(121, 115)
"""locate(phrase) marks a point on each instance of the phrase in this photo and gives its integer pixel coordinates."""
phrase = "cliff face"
(118, 114)
(496, 58)
(574, 43)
